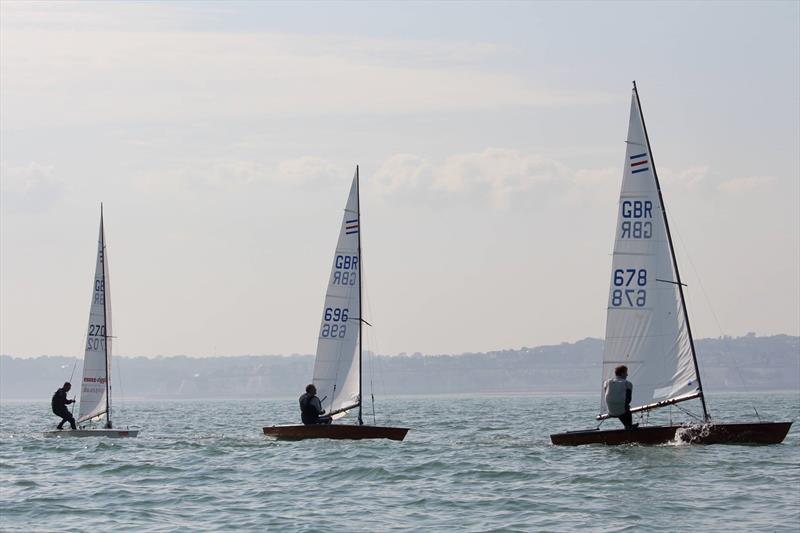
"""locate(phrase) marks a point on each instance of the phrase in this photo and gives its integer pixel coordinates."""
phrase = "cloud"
(29, 187)
(497, 177)
(499, 172)
(746, 184)
(401, 172)
(233, 174)
(146, 75)
(691, 179)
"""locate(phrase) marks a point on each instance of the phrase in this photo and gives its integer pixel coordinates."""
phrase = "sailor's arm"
(317, 405)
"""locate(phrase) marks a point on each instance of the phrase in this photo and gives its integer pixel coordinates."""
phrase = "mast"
(672, 253)
(360, 277)
(105, 318)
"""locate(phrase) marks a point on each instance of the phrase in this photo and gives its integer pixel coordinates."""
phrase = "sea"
(469, 463)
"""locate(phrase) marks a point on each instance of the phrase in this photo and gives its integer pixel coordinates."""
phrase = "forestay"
(97, 357)
(646, 328)
(336, 369)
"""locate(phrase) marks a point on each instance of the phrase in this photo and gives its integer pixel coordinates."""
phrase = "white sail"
(336, 368)
(646, 329)
(97, 357)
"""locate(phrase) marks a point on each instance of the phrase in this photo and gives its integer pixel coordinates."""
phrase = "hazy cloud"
(178, 74)
(690, 179)
(747, 184)
(29, 187)
(496, 174)
(239, 174)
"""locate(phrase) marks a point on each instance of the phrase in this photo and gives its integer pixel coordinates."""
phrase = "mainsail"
(97, 357)
(646, 328)
(336, 368)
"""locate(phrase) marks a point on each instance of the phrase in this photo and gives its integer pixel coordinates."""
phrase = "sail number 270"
(96, 339)
(629, 294)
(334, 325)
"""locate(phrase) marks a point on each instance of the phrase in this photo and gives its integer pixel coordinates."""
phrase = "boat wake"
(689, 434)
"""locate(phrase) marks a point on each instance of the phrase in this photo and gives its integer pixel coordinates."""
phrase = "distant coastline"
(747, 364)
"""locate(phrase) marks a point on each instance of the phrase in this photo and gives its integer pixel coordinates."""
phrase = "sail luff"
(107, 322)
(672, 254)
(360, 289)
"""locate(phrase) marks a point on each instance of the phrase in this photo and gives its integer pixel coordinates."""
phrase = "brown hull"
(744, 433)
(335, 431)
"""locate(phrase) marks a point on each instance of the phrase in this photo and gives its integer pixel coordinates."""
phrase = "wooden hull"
(110, 433)
(739, 433)
(335, 431)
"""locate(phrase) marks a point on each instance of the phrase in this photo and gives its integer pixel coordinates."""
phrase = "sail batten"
(646, 325)
(336, 368)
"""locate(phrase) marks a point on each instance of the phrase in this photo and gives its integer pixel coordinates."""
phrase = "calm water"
(468, 464)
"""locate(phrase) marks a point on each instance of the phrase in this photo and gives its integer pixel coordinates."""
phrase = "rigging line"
(688, 256)
(691, 414)
(371, 343)
(671, 247)
(377, 363)
(119, 378)
(75, 366)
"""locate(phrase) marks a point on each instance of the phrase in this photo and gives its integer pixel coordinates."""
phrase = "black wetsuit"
(59, 404)
(310, 410)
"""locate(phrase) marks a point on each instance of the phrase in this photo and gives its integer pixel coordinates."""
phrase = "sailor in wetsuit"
(618, 394)
(59, 405)
(311, 408)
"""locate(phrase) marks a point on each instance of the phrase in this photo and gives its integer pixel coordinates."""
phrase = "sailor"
(311, 408)
(618, 393)
(59, 405)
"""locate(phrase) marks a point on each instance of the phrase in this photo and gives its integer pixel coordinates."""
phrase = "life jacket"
(616, 395)
(308, 413)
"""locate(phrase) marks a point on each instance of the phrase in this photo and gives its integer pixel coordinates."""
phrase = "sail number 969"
(333, 326)
(625, 296)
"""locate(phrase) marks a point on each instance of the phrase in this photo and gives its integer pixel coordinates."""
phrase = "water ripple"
(213, 470)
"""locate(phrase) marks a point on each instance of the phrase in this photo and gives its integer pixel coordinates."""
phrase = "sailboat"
(337, 367)
(647, 324)
(95, 404)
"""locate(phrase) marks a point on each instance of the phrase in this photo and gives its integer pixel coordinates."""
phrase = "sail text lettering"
(95, 343)
(637, 209)
(636, 229)
(346, 262)
(333, 330)
(346, 270)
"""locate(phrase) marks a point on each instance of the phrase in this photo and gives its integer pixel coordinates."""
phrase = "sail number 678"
(633, 297)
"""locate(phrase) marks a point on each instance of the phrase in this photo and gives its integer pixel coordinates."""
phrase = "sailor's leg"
(65, 416)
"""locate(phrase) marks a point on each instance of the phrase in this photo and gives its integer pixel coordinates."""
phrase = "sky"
(222, 139)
